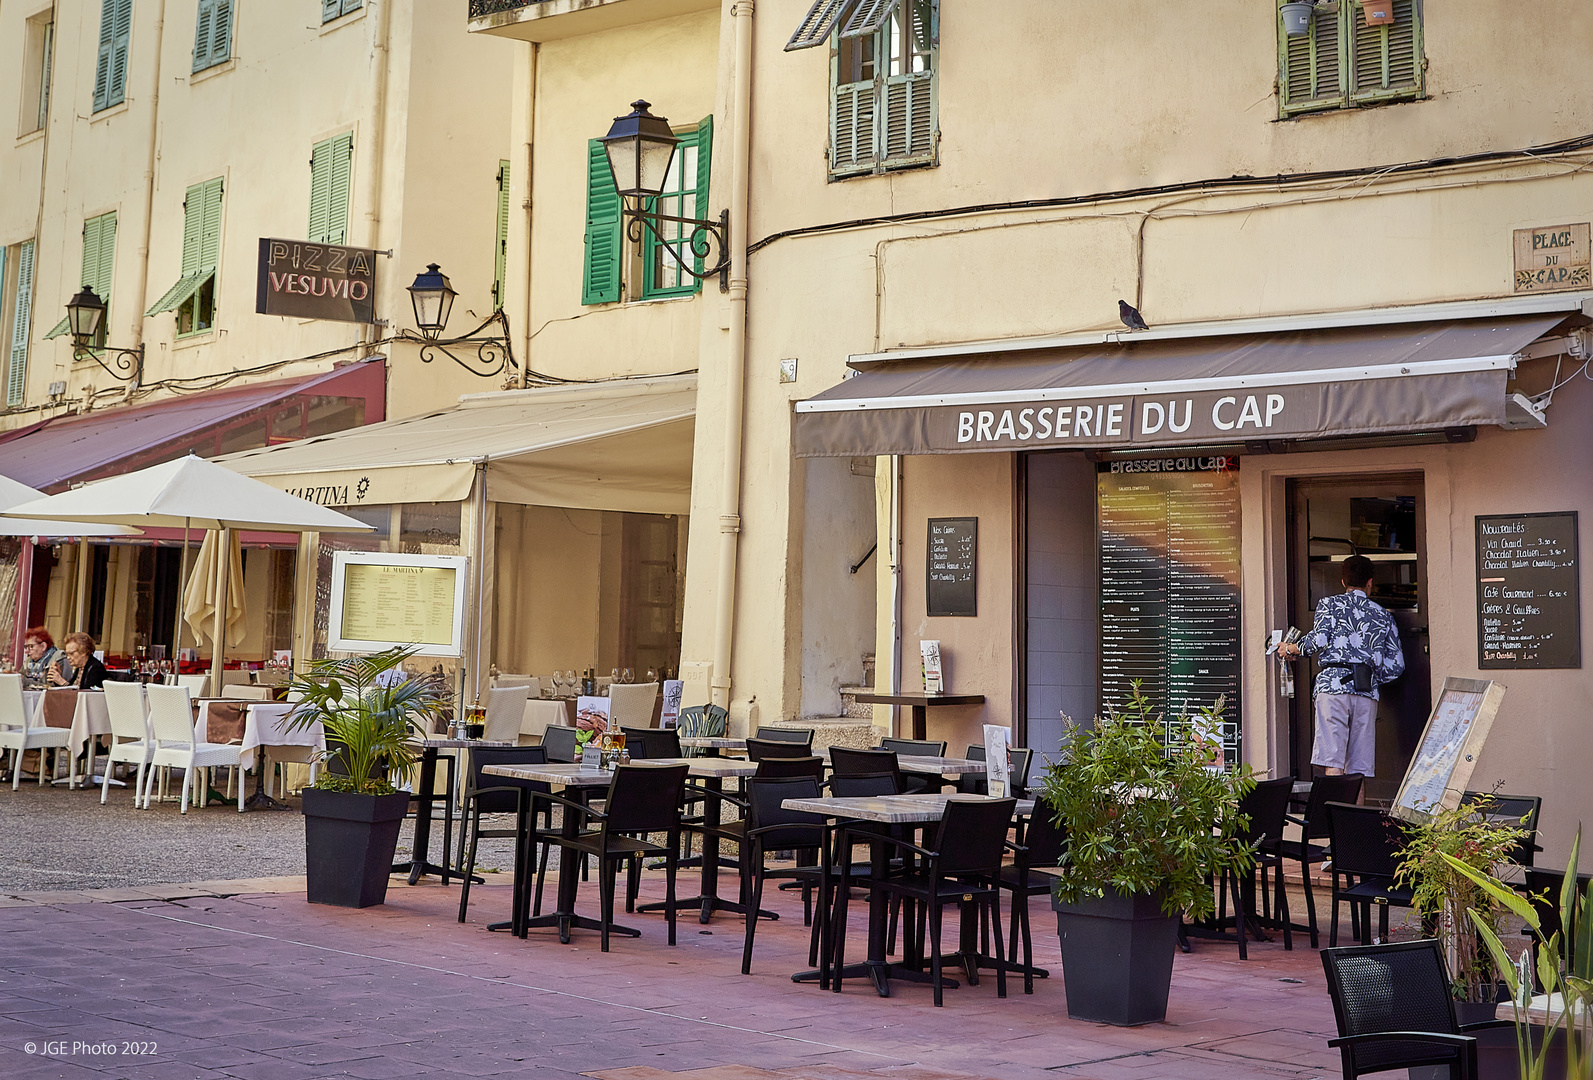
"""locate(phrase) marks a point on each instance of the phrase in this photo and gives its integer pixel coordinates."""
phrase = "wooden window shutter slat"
(1311, 72)
(500, 247)
(202, 26)
(338, 189)
(1386, 61)
(221, 33)
(21, 318)
(600, 278)
(705, 154)
(815, 27)
(852, 128)
(868, 17)
(908, 127)
(117, 91)
(102, 63)
(210, 245)
(320, 186)
(193, 228)
(105, 265)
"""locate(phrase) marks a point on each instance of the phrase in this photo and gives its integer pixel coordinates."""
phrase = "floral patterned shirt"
(1350, 628)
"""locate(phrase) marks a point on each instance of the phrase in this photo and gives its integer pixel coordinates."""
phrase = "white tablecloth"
(267, 726)
(91, 717)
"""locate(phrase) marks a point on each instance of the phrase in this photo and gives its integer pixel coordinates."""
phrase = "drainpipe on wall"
(141, 266)
(371, 165)
(530, 199)
(736, 358)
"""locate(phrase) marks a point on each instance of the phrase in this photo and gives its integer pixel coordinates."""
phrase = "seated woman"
(40, 655)
(80, 667)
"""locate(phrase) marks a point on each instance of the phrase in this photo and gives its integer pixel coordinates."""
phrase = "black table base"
(260, 800)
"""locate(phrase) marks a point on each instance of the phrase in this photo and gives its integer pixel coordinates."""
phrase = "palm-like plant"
(368, 718)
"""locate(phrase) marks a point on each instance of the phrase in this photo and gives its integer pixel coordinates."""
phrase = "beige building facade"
(948, 188)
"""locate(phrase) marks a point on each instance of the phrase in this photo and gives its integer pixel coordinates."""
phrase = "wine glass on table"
(627, 675)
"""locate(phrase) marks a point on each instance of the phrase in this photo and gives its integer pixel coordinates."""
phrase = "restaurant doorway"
(1384, 518)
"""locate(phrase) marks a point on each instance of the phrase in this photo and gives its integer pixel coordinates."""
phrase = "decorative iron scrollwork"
(493, 354)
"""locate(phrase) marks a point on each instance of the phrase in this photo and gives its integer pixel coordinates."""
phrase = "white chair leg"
(188, 779)
(16, 768)
(237, 775)
(105, 786)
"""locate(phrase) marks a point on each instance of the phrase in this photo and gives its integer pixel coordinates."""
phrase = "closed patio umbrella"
(218, 572)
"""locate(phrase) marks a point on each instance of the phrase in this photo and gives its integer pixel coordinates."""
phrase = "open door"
(1383, 518)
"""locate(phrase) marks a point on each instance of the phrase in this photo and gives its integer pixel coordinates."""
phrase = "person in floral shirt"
(1349, 629)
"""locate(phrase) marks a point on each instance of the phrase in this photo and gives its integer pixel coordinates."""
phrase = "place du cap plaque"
(1552, 257)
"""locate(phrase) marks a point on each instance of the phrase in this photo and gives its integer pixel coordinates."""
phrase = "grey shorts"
(1346, 733)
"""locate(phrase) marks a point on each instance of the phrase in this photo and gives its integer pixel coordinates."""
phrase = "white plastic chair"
(17, 732)
(124, 704)
(631, 704)
(502, 679)
(195, 684)
(505, 710)
(171, 725)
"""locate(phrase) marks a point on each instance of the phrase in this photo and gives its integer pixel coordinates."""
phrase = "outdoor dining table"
(920, 704)
(419, 864)
(579, 781)
(917, 810)
(712, 771)
(265, 723)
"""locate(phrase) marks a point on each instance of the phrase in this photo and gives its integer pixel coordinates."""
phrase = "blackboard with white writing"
(1529, 610)
(953, 566)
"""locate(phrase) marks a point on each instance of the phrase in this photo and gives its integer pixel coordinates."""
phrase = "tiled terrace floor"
(262, 986)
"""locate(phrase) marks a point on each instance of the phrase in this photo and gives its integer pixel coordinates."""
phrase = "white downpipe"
(141, 264)
(736, 354)
(372, 168)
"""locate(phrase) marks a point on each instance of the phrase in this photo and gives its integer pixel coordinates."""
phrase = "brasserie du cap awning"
(1196, 386)
(622, 444)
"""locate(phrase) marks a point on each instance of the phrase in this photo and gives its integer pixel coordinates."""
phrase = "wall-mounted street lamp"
(433, 299)
(85, 318)
(640, 147)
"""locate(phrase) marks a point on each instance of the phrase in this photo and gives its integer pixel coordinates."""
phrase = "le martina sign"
(316, 281)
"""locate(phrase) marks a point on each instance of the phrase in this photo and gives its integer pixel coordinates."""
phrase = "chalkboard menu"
(1170, 586)
(953, 566)
(1528, 605)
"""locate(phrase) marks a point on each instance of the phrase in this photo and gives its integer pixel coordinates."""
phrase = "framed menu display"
(1441, 768)
(380, 600)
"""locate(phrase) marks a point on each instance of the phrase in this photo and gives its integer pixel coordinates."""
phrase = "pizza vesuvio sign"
(316, 281)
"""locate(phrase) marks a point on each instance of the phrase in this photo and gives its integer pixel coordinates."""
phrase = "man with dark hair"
(1356, 644)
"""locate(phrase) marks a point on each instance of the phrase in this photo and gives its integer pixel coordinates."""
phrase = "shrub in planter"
(369, 711)
(1151, 817)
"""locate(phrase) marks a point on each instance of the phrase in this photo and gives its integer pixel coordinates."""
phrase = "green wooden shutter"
(814, 29)
(17, 376)
(852, 127)
(705, 154)
(1386, 61)
(330, 164)
(116, 91)
(202, 22)
(330, 9)
(210, 241)
(350, 5)
(868, 17)
(104, 268)
(600, 278)
(908, 126)
(1311, 66)
(201, 245)
(102, 62)
(221, 33)
(500, 248)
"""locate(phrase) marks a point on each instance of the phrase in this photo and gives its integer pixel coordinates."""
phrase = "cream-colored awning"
(624, 444)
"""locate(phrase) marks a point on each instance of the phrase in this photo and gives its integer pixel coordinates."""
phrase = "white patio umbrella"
(13, 493)
(188, 493)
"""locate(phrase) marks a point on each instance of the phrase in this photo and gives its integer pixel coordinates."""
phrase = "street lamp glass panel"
(84, 313)
(433, 298)
(639, 148)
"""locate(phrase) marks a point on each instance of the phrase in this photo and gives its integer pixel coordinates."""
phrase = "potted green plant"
(353, 813)
(1563, 968)
(1443, 895)
(1151, 818)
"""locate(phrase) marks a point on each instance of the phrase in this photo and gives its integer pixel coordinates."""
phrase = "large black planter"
(349, 841)
(1117, 958)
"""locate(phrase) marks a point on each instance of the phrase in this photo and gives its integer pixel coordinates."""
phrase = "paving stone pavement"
(245, 980)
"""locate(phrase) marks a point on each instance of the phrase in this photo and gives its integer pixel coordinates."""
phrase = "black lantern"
(85, 314)
(433, 298)
(640, 147)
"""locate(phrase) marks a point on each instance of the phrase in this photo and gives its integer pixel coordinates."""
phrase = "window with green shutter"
(212, 34)
(500, 247)
(99, 263)
(110, 65)
(1341, 62)
(883, 59)
(685, 195)
(600, 274)
(21, 322)
(332, 9)
(193, 297)
(330, 163)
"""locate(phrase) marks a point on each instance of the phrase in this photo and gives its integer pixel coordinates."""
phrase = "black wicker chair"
(1395, 1011)
(780, 734)
(1366, 845)
(1313, 826)
(495, 795)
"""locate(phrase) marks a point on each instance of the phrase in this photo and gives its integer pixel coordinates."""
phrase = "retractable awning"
(1179, 391)
(616, 445)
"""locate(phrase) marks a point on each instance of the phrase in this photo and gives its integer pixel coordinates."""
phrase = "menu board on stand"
(380, 600)
(1170, 587)
(1529, 607)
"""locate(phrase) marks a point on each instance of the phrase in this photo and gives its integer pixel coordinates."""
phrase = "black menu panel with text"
(1529, 608)
(1169, 534)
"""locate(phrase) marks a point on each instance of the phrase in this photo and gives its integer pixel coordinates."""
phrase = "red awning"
(52, 454)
